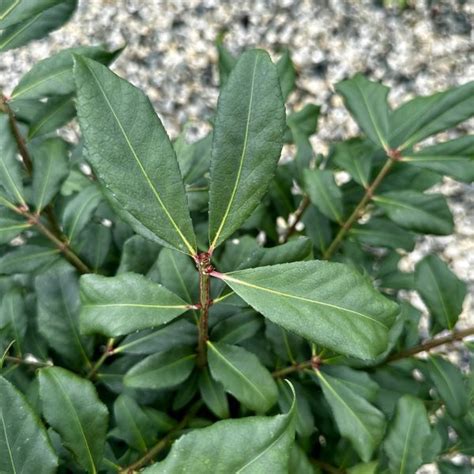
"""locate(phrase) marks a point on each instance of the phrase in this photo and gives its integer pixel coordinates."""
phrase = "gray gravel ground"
(171, 55)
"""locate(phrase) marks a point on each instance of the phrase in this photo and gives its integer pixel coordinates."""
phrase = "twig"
(28, 360)
(163, 443)
(297, 215)
(109, 350)
(314, 363)
(204, 267)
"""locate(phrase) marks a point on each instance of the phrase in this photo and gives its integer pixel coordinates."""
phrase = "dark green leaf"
(367, 102)
(162, 370)
(225, 446)
(37, 26)
(10, 226)
(124, 151)
(51, 167)
(440, 289)
(27, 259)
(53, 76)
(356, 380)
(286, 73)
(407, 435)
(237, 328)
(243, 376)
(125, 303)
(24, 444)
(71, 406)
(13, 316)
(14, 11)
(247, 143)
(138, 255)
(226, 62)
(356, 418)
(423, 213)
(329, 303)
(213, 394)
(324, 193)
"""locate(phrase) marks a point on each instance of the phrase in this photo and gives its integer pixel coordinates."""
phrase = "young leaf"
(356, 418)
(324, 193)
(243, 376)
(423, 213)
(71, 406)
(407, 435)
(449, 383)
(120, 305)
(225, 446)
(162, 370)
(37, 26)
(13, 316)
(424, 116)
(58, 314)
(247, 143)
(453, 158)
(328, 303)
(134, 158)
(441, 290)
(24, 444)
(367, 102)
(51, 167)
(213, 394)
(53, 76)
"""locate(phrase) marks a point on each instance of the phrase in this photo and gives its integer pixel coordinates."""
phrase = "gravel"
(170, 54)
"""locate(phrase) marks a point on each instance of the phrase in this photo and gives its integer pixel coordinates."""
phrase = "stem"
(432, 343)
(393, 156)
(307, 364)
(163, 443)
(298, 214)
(326, 467)
(27, 361)
(109, 350)
(205, 269)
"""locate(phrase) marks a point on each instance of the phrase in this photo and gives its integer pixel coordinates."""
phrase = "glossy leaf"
(213, 394)
(356, 418)
(423, 213)
(58, 314)
(37, 26)
(162, 370)
(441, 290)
(51, 167)
(247, 143)
(53, 76)
(134, 158)
(243, 376)
(367, 102)
(327, 303)
(425, 116)
(449, 383)
(324, 193)
(225, 446)
(71, 406)
(120, 305)
(24, 443)
(407, 435)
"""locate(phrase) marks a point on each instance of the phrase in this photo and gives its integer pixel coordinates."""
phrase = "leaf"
(73, 409)
(441, 290)
(356, 419)
(324, 193)
(134, 158)
(243, 376)
(10, 173)
(424, 116)
(11, 225)
(449, 383)
(454, 158)
(407, 435)
(27, 259)
(120, 305)
(14, 11)
(286, 73)
(13, 316)
(225, 446)
(138, 255)
(58, 307)
(226, 62)
(328, 303)
(51, 167)
(37, 26)
(24, 443)
(162, 370)
(422, 213)
(213, 394)
(317, 227)
(247, 143)
(380, 232)
(237, 328)
(367, 102)
(53, 76)
(57, 112)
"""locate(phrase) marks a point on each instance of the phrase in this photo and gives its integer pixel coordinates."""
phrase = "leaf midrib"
(10, 454)
(26, 25)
